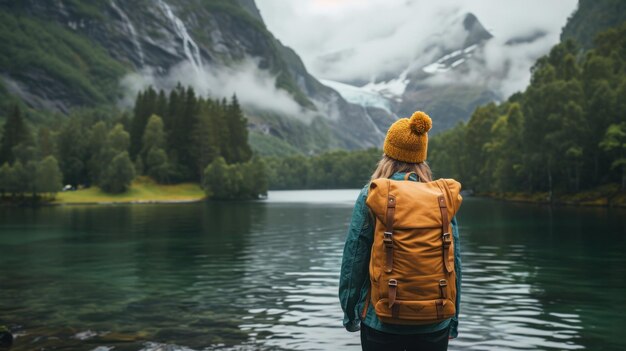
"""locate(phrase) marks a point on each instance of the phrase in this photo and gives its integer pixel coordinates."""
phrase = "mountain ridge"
(156, 42)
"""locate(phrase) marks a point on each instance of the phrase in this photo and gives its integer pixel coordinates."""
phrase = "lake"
(264, 275)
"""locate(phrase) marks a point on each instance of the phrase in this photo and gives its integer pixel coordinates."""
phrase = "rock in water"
(6, 338)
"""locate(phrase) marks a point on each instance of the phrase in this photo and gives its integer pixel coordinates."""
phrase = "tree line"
(566, 132)
(331, 170)
(172, 138)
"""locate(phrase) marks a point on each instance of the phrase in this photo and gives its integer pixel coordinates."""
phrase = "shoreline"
(46, 203)
(147, 192)
(132, 202)
(607, 196)
(143, 190)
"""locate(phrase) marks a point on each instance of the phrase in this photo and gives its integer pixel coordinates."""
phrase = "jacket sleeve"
(355, 263)
(454, 324)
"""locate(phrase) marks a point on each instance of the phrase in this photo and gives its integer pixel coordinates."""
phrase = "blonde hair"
(387, 166)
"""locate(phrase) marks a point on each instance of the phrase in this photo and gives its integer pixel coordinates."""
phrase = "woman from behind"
(396, 286)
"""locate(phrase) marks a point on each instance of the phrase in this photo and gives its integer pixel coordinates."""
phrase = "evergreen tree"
(139, 167)
(49, 177)
(223, 130)
(19, 179)
(174, 108)
(614, 143)
(124, 120)
(145, 106)
(161, 106)
(238, 133)
(117, 170)
(73, 151)
(154, 135)
(118, 139)
(174, 122)
(477, 135)
(46, 144)
(189, 120)
(96, 145)
(444, 156)
(29, 178)
(6, 178)
(204, 139)
(156, 161)
(26, 151)
(14, 132)
(158, 166)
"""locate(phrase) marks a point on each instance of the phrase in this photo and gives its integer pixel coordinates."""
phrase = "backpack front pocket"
(415, 312)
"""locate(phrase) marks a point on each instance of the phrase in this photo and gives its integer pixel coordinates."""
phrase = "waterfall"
(131, 29)
(191, 48)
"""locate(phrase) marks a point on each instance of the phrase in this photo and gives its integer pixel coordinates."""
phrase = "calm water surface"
(263, 276)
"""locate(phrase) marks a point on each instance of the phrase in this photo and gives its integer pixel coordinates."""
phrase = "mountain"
(448, 76)
(62, 54)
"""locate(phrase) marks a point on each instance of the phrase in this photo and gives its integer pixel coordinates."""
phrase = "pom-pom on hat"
(407, 138)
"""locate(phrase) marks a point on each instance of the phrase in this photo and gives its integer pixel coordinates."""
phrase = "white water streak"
(131, 29)
(191, 48)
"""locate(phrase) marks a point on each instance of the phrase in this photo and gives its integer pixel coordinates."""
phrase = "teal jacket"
(354, 279)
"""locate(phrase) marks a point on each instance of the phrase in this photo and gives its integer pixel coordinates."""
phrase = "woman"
(404, 158)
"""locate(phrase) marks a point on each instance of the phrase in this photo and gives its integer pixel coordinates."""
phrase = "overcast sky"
(387, 32)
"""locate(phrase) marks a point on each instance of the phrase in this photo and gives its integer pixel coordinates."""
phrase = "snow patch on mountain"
(391, 89)
(365, 96)
(451, 60)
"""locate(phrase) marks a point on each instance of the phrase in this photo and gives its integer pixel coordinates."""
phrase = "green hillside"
(591, 18)
(45, 54)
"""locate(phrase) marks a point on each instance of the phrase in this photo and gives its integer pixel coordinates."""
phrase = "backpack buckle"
(447, 240)
(388, 239)
(393, 282)
(443, 284)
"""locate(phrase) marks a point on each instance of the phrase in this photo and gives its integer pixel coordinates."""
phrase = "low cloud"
(502, 64)
(255, 88)
(359, 41)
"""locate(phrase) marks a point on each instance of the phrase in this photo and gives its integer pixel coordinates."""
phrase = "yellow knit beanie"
(407, 138)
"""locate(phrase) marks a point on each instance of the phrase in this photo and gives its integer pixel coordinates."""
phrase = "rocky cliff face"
(116, 46)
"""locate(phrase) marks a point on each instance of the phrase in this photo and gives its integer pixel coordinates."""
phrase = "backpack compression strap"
(445, 237)
(388, 235)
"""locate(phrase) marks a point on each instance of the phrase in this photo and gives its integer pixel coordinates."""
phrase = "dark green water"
(248, 276)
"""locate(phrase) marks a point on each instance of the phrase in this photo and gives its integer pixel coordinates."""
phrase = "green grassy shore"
(609, 195)
(142, 190)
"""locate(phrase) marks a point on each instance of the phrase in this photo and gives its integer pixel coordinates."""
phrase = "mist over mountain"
(448, 79)
(407, 55)
(104, 52)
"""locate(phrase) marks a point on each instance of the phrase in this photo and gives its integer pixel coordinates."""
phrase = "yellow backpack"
(412, 260)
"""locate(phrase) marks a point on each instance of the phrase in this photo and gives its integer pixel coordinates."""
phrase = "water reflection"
(500, 310)
(299, 308)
